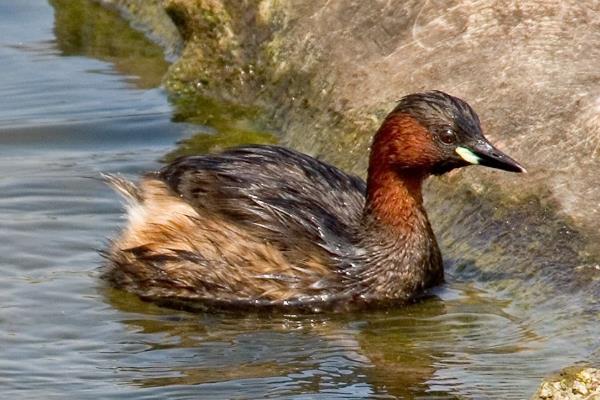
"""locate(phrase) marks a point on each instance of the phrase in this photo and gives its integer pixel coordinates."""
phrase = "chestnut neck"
(394, 183)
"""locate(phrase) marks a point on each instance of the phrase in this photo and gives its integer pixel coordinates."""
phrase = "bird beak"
(483, 153)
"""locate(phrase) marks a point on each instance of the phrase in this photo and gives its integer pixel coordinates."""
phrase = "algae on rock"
(574, 383)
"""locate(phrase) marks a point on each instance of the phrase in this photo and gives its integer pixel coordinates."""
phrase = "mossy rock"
(573, 383)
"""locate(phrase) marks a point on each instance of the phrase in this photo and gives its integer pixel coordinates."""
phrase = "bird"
(268, 227)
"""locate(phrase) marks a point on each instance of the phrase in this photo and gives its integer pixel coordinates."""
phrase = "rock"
(574, 383)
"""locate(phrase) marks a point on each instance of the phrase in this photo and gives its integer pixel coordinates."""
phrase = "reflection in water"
(84, 28)
(413, 352)
(399, 346)
(314, 353)
(231, 125)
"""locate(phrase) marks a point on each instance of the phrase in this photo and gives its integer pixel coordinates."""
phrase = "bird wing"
(289, 199)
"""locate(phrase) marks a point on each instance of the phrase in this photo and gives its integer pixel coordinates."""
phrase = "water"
(80, 95)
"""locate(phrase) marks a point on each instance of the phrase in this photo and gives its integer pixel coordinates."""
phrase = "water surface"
(81, 96)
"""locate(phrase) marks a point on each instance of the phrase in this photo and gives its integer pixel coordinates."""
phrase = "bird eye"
(447, 136)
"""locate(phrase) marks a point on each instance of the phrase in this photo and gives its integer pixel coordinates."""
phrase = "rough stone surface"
(575, 383)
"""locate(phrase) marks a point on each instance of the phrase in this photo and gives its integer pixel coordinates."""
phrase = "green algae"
(232, 125)
(208, 143)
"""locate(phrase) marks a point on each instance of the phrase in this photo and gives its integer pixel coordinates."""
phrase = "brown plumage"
(265, 226)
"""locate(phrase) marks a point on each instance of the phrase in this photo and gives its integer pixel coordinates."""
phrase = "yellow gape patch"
(467, 155)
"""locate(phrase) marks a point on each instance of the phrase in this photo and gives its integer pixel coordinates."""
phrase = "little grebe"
(268, 226)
